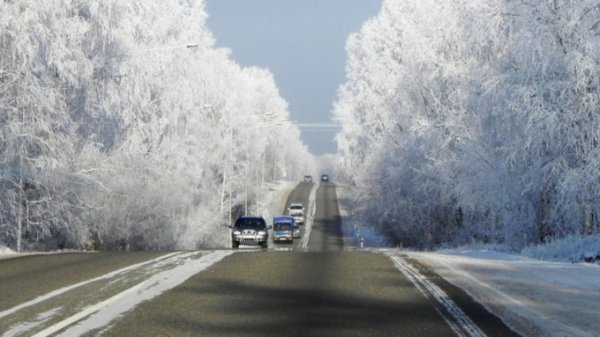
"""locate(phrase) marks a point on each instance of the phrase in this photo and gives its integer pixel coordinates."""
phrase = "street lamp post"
(267, 124)
(270, 120)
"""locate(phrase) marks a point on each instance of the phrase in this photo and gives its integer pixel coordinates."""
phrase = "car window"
(282, 226)
(295, 207)
(250, 223)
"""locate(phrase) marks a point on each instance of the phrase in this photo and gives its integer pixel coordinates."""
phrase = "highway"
(324, 289)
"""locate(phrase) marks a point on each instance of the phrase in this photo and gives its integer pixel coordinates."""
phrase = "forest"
(123, 127)
(474, 121)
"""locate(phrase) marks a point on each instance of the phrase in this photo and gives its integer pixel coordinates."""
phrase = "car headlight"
(237, 233)
(262, 233)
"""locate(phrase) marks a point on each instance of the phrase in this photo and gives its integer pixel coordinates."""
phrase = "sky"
(302, 42)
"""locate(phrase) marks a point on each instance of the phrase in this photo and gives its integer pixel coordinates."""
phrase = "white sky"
(302, 42)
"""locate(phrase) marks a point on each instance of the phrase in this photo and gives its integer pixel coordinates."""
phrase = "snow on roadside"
(103, 313)
(275, 198)
(58, 292)
(6, 251)
(533, 297)
(574, 248)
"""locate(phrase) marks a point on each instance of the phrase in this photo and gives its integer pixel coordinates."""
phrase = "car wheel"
(235, 244)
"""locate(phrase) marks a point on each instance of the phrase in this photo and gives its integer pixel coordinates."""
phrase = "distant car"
(283, 229)
(250, 230)
(308, 178)
(325, 178)
(296, 210)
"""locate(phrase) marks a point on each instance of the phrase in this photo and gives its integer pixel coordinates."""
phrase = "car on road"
(285, 229)
(250, 230)
(307, 179)
(296, 210)
(325, 178)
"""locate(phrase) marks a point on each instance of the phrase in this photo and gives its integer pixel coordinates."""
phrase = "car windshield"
(250, 223)
(282, 226)
(296, 207)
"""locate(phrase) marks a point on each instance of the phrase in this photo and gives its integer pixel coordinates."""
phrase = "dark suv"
(250, 230)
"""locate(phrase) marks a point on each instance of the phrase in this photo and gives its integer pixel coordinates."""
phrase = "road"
(324, 290)
(324, 229)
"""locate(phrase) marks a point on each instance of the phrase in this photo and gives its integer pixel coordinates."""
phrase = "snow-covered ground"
(536, 298)
(5, 251)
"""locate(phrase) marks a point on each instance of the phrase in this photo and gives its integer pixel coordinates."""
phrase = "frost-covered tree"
(36, 134)
(122, 125)
(474, 120)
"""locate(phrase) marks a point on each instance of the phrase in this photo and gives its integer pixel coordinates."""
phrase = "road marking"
(101, 314)
(310, 216)
(77, 285)
(461, 323)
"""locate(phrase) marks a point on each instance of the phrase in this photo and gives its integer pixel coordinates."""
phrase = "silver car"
(250, 230)
(283, 231)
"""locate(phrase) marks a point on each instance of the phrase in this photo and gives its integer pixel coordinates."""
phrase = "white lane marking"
(462, 322)
(101, 314)
(310, 216)
(77, 285)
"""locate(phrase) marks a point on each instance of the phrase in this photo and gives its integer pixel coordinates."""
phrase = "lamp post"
(269, 120)
(267, 124)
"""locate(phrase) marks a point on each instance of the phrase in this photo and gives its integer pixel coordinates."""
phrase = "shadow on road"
(292, 294)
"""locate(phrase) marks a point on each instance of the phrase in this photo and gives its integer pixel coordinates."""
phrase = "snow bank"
(570, 249)
(5, 251)
(535, 298)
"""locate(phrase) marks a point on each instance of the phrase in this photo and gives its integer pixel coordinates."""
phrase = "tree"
(477, 120)
(114, 132)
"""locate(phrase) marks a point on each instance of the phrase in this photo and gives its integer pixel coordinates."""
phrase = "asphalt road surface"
(326, 227)
(300, 194)
(326, 290)
(326, 234)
